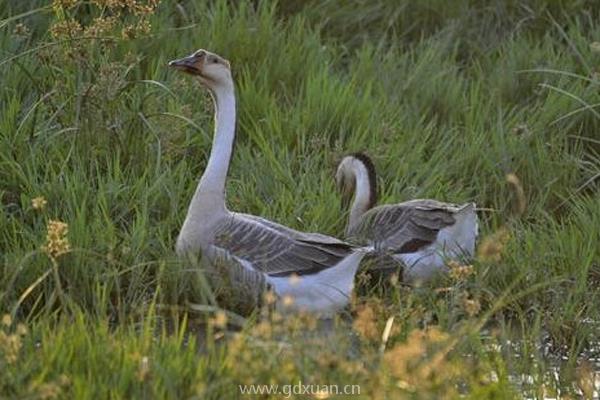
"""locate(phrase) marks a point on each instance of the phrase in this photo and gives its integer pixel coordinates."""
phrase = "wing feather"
(276, 250)
(405, 227)
(237, 286)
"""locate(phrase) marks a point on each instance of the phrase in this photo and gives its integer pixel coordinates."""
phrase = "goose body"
(420, 234)
(312, 272)
(308, 271)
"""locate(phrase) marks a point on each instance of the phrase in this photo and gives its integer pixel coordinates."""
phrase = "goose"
(421, 234)
(308, 272)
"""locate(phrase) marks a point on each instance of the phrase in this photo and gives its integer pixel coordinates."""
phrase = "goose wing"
(237, 286)
(313, 237)
(276, 250)
(404, 227)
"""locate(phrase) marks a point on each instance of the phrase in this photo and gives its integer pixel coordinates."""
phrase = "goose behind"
(308, 271)
(421, 234)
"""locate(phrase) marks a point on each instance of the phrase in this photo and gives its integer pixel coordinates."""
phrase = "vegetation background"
(101, 147)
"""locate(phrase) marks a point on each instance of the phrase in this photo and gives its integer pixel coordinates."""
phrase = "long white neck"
(209, 197)
(362, 193)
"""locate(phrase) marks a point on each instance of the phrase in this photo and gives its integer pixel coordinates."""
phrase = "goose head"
(212, 70)
(348, 172)
(345, 180)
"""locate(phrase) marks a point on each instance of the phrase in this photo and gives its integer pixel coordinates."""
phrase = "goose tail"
(460, 238)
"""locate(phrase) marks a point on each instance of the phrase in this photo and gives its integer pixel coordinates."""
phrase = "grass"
(448, 98)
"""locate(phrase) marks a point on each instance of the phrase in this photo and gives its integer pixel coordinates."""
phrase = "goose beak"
(188, 64)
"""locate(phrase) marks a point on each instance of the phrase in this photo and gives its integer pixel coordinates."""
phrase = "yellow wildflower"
(416, 363)
(65, 28)
(21, 30)
(586, 379)
(321, 394)
(38, 203)
(471, 306)
(269, 298)
(220, 320)
(137, 30)
(10, 345)
(263, 329)
(57, 242)
(365, 322)
(21, 330)
(50, 390)
(460, 272)
(492, 246)
(101, 26)
(57, 4)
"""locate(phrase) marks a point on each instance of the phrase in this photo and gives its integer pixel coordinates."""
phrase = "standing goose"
(307, 271)
(421, 234)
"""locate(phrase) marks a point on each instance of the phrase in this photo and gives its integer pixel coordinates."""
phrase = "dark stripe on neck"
(363, 158)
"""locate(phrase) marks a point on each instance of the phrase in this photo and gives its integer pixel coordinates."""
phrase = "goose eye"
(215, 61)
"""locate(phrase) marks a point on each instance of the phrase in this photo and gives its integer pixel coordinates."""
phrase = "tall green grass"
(447, 98)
